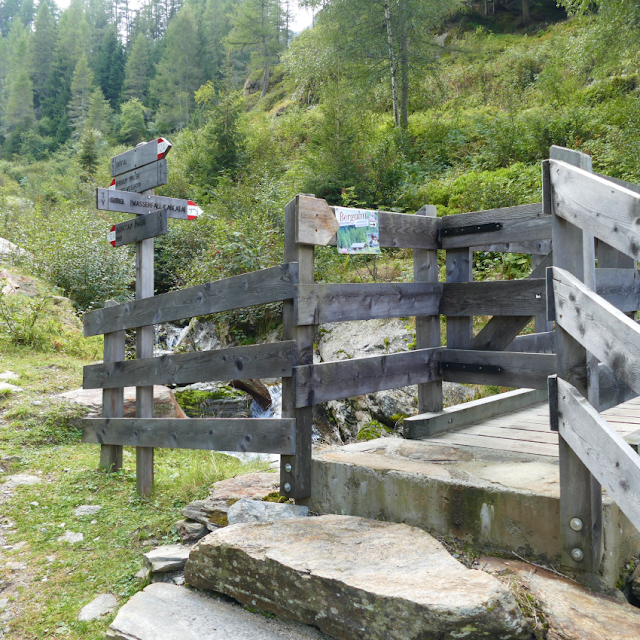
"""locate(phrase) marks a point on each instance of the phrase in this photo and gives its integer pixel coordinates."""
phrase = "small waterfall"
(275, 410)
(167, 338)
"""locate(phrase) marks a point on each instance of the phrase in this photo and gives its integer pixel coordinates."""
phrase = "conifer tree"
(100, 114)
(178, 74)
(108, 66)
(81, 90)
(132, 125)
(42, 44)
(137, 69)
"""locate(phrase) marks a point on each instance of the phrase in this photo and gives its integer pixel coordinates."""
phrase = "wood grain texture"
(112, 399)
(532, 247)
(320, 303)
(247, 290)
(141, 228)
(144, 178)
(571, 156)
(140, 204)
(295, 471)
(523, 370)
(316, 221)
(501, 444)
(544, 342)
(604, 452)
(272, 360)
(598, 206)
(347, 378)
(500, 331)
(494, 298)
(619, 287)
(459, 269)
(426, 269)
(606, 332)
(426, 425)
(211, 434)
(523, 223)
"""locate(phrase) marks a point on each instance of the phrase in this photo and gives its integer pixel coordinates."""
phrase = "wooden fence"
(497, 355)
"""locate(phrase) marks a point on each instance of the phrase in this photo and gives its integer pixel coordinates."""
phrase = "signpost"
(136, 173)
(142, 179)
(144, 153)
(127, 202)
(149, 226)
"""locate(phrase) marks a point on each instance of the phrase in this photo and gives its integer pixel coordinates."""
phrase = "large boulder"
(164, 402)
(366, 416)
(356, 579)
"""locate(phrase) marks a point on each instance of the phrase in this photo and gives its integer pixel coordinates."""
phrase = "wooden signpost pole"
(144, 349)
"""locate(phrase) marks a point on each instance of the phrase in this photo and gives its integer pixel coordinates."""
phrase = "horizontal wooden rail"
(597, 325)
(544, 342)
(503, 368)
(271, 360)
(533, 247)
(461, 415)
(613, 391)
(249, 289)
(406, 231)
(494, 298)
(319, 303)
(316, 383)
(523, 223)
(603, 451)
(619, 287)
(597, 205)
(213, 434)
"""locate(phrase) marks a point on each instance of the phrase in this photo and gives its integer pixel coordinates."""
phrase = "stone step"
(356, 579)
(166, 612)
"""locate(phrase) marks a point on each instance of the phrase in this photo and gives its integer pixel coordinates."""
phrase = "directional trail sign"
(149, 226)
(142, 179)
(126, 202)
(144, 153)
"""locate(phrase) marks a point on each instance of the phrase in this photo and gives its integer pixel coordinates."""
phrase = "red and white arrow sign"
(112, 236)
(142, 155)
(193, 210)
(163, 147)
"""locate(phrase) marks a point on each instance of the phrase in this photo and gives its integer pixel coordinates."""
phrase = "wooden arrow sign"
(149, 226)
(145, 153)
(126, 202)
(148, 177)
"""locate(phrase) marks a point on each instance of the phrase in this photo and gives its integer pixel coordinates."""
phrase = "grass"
(60, 577)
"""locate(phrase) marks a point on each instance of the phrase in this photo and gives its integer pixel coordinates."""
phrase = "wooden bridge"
(590, 362)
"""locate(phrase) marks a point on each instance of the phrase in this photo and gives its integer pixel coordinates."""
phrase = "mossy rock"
(372, 430)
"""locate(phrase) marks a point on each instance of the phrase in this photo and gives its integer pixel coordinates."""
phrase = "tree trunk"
(255, 388)
(404, 76)
(265, 78)
(526, 13)
(392, 63)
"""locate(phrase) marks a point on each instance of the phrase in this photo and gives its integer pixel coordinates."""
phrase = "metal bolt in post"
(577, 555)
(576, 524)
(287, 467)
(287, 487)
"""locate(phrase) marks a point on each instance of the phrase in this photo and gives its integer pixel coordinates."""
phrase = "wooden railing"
(497, 355)
(597, 345)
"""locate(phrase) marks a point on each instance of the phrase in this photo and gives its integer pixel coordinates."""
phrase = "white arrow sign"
(193, 210)
(145, 153)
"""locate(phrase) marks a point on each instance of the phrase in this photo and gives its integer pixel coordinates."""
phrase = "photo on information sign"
(359, 231)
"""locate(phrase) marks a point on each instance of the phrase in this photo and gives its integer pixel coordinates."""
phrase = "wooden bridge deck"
(527, 430)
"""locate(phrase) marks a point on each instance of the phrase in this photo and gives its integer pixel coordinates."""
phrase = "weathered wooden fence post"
(295, 471)
(459, 328)
(580, 492)
(144, 349)
(425, 269)
(112, 399)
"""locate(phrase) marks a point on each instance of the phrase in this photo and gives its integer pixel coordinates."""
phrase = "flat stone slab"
(571, 611)
(170, 557)
(355, 579)
(87, 510)
(20, 480)
(98, 607)
(260, 511)
(166, 612)
(7, 386)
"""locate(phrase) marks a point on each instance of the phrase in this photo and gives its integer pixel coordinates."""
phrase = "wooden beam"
(534, 343)
(500, 331)
(211, 434)
(271, 360)
(523, 223)
(619, 287)
(295, 471)
(141, 228)
(494, 298)
(606, 332)
(600, 207)
(316, 223)
(426, 269)
(247, 290)
(607, 456)
(112, 399)
(459, 269)
(532, 247)
(461, 415)
(347, 378)
(320, 303)
(523, 370)
(613, 391)
(406, 231)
